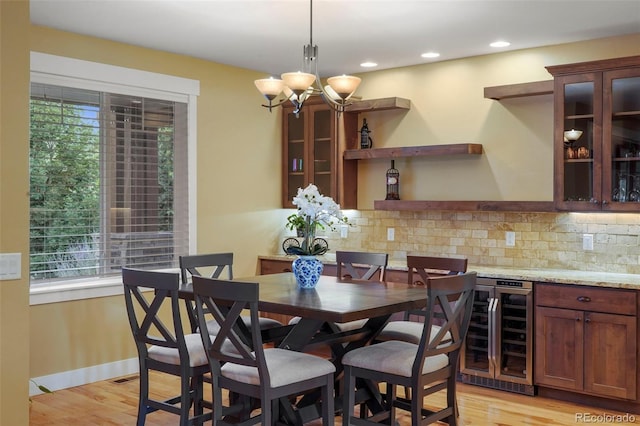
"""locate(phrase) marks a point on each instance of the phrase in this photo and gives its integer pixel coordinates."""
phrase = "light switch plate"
(510, 239)
(391, 234)
(10, 266)
(587, 241)
(344, 231)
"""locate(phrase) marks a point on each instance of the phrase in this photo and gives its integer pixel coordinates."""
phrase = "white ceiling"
(268, 35)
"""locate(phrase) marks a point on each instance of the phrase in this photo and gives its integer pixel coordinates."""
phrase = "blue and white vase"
(307, 270)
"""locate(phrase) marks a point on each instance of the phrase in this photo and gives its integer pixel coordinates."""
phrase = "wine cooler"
(498, 352)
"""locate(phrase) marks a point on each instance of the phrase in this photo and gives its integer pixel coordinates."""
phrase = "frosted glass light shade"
(298, 82)
(270, 87)
(344, 85)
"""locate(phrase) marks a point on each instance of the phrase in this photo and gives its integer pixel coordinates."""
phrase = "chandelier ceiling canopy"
(300, 85)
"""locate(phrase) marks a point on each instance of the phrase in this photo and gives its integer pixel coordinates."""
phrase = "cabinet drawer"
(586, 298)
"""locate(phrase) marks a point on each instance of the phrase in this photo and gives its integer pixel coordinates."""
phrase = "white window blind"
(108, 176)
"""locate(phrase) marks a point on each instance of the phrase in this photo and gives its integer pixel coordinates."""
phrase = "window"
(108, 179)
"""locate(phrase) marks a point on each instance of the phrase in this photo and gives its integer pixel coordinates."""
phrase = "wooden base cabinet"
(586, 340)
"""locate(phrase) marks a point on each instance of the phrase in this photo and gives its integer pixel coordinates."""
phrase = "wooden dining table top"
(333, 300)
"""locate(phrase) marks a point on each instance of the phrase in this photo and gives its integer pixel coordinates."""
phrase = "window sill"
(58, 291)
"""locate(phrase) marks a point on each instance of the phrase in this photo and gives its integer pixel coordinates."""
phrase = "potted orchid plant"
(314, 211)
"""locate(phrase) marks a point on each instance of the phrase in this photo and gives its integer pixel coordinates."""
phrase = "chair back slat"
(349, 261)
(144, 307)
(197, 263)
(234, 342)
(450, 296)
(430, 266)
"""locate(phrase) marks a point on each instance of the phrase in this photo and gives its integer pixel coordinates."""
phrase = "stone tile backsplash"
(543, 240)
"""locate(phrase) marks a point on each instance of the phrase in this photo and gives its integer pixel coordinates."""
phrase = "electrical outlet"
(344, 231)
(510, 239)
(587, 241)
(391, 234)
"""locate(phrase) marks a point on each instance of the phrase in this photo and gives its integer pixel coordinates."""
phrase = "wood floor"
(113, 402)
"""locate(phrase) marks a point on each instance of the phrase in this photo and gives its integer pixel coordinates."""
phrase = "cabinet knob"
(578, 319)
(587, 320)
(583, 299)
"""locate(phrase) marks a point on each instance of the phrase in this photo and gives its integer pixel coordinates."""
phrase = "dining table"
(332, 301)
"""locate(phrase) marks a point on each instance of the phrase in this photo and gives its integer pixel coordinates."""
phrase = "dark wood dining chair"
(242, 365)
(359, 266)
(165, 348)
(420, 270)
(212, 265)
(424, 368)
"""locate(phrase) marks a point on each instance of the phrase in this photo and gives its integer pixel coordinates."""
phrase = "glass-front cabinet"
(309, 150)
(597, 135)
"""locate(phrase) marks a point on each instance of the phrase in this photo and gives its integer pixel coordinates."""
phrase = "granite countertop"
(559, 276)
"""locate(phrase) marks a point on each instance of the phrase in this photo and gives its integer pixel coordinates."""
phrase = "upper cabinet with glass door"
(597, 135)
(309, 150)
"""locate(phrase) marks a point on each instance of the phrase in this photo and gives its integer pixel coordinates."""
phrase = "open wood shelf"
(414, 151)
(520, 90)
(381, 104)
(505, 206)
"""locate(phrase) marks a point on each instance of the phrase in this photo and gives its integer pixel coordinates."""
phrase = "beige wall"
(238, 170)
(14, 209)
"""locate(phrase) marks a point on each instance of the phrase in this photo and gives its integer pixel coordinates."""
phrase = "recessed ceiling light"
(368, 64)
(430, 55)
(500, 44)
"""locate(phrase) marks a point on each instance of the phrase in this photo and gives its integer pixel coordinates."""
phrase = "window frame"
(63, 71)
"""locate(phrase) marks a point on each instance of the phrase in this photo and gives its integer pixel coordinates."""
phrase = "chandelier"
(298, 86)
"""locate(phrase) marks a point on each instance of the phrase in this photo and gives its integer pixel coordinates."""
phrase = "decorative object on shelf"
(571, 136)
(307, 270)
(298, 86)
(290, 242)
(583, 152)
(365, 139)
(393, 183)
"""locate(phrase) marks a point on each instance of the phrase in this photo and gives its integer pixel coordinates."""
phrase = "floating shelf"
(491, 206)
(414, 151)
(520, 90)
(381, 104)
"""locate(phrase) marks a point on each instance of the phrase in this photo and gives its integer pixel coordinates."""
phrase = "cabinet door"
(309, 151)
(610, 355)
(577, 163)
(559, 348)
(295, 154)
(621, 138)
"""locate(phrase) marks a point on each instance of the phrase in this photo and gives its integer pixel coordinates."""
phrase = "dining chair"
(242, 365)
(165, 348)
(359, 266)
(212, 265)
(420, 269)
(424, 368)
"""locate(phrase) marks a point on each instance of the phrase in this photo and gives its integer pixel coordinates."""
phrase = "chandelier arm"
(279, 102)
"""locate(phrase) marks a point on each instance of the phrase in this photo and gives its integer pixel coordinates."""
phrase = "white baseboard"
(82, 376)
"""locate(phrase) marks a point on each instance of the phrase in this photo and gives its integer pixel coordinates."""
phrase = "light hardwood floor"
(113, 402)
